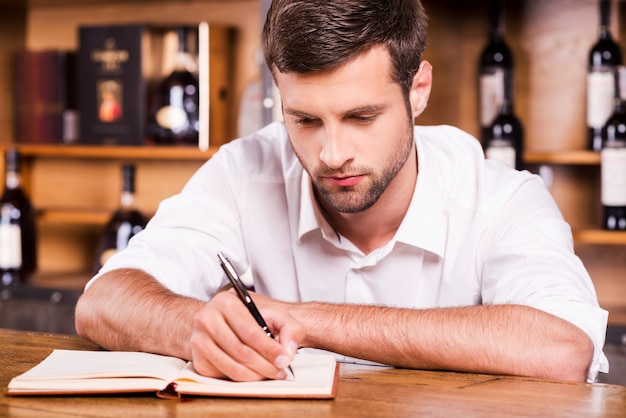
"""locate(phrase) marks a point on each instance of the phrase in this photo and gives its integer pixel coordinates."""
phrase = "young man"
(365, 236)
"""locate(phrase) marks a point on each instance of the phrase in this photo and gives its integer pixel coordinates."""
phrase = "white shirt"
(476, 232)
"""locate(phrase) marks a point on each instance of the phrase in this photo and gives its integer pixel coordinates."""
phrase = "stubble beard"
(362, 196)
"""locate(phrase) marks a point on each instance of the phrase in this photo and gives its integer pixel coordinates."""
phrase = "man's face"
(350, 128)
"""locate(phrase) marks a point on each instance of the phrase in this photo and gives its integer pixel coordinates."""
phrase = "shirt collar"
(423, 226)
(311, 217)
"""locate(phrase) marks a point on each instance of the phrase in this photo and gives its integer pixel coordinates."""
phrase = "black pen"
(243, 294)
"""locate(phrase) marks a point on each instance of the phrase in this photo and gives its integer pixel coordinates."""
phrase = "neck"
(374, 227)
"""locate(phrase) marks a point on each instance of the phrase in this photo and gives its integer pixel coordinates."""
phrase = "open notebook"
(74, 372)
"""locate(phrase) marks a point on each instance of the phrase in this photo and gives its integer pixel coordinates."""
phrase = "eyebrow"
(357, 110)
(297, 113)
(365, 109)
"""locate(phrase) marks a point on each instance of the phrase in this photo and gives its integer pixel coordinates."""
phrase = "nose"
(336, 150)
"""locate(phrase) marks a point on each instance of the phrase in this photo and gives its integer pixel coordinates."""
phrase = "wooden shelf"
(182, 152)
(60, 280)
(147, 152)
(73, 216)
(573, 157)
(599, 236)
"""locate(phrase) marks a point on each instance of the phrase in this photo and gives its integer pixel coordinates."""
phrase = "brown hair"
(303, 36)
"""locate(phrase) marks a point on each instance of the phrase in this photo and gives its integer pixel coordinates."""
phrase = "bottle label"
(506, 154)
(10, 246)
(491, 95)
(613, 172)
(123, 234)
(600, 92)
(171, 117)
(106, 254)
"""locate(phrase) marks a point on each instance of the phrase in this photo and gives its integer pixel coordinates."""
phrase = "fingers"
(227, 341)
(290, 332)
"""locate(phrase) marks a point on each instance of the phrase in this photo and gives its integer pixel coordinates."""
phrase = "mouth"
(344, 181)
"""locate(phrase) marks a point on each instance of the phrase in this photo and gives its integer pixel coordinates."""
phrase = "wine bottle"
(18, 233)
(174, 117)
(125, 222)
(613, 159)
(495, 65)
(604, 56)
(505, 138)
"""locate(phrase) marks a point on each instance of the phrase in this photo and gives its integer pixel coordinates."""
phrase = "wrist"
(304, 313)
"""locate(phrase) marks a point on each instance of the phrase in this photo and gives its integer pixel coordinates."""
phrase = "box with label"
(44, 87)
(122, 66)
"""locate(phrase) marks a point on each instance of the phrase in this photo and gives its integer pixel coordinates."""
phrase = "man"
(365, 236)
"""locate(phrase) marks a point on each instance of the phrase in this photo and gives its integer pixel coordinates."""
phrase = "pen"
(243, 294)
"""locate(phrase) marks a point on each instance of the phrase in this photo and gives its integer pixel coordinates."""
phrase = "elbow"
(86, 316)
(584, 358)
(80, 316)
(89, 309)
(574, 359)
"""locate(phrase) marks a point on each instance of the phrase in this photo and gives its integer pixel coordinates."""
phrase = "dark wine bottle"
(495, 65)
(125, 222)
(604, 56)
(505, 138)
(174, 117)
(613, 160)
(18, 232)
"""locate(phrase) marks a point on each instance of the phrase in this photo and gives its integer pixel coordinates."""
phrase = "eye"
(306, 121)
(364, 118)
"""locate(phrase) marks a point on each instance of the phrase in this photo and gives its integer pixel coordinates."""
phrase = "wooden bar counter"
(364, 391)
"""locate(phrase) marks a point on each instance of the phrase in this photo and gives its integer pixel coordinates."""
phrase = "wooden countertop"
(363, 391)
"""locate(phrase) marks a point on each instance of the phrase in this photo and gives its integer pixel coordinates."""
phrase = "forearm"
(497, 339)
(129, 310)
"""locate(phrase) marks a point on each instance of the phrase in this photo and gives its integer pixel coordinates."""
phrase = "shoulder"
(265, 152)
(269, 143)
(465, 175)
(450, 153)
(449, 140)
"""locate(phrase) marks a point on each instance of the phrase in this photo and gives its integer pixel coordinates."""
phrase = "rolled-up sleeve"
(531, 261)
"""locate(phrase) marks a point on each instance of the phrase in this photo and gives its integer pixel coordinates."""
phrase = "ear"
(420, 90)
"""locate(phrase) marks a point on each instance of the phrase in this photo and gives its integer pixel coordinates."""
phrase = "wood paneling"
(12, 23)
(76, 196)
(549, 38)
(56, 28)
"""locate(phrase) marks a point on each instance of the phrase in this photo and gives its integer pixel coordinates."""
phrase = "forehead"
(365, 78)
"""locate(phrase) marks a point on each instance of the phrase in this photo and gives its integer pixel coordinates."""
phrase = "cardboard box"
(44, 88)
(120, 66)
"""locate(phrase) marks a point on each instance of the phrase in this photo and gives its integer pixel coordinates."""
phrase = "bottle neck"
(496, 34)
(184, 60)
(127, 200)
(506, 108)
(496, 29)
(13, 180)
(605, 19)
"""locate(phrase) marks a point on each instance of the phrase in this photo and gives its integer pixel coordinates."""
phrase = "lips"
(344, 181)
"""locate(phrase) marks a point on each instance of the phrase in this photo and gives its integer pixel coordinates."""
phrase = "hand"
(227, 341)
